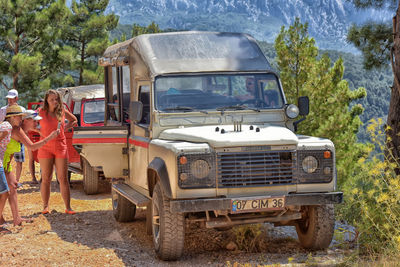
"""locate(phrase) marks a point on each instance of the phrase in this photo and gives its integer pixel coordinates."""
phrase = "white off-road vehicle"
(197, 129)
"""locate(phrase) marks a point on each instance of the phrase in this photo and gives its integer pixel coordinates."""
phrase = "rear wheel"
(168, 228)
(315, 229)
(90, 179)
(123, 209)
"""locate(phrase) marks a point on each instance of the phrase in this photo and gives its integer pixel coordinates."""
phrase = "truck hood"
(267, 135)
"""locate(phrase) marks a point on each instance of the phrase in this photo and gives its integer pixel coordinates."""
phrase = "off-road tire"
(123, 209)
(315, 229)
(168, 228)
(90, 179)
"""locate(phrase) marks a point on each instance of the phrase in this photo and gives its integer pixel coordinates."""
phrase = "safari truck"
(197, 129)
(87, 104)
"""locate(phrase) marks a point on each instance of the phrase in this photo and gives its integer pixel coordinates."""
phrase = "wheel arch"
(157, 171)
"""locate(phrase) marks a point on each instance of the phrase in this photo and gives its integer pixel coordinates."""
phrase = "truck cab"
(198, 129)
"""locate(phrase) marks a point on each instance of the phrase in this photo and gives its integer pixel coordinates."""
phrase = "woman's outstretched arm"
(20, 136)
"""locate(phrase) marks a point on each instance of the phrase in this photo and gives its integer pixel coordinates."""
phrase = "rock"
(231, 246)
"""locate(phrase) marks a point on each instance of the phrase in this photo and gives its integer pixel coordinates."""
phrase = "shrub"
(372, 199)
(249, 237)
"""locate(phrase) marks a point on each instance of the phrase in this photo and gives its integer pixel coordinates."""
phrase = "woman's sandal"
(71, 212)
(45, 212)
(4, 230)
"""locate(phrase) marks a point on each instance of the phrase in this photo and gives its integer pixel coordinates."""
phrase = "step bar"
(131, 194)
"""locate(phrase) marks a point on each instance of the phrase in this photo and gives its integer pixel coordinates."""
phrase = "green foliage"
(372, 199)
(377, 83)
(296, 53)
(29, 37)
(87, 32)
(331, 114)
(374, 40)
(151, 28)
(249, 237)
(119, 31)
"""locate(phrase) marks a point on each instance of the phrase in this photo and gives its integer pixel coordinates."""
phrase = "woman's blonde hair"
(59, 109)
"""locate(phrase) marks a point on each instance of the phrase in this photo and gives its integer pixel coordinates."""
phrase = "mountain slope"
(328, 19)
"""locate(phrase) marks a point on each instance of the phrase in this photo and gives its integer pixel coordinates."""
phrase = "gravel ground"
(93, 238)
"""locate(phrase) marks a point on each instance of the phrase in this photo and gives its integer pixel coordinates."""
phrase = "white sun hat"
(31, 114)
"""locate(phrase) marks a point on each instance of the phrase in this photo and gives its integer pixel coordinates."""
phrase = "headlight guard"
(315, 166)
(198, 170)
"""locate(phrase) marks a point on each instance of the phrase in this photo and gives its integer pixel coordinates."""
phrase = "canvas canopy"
(79, 92)
(193, 51)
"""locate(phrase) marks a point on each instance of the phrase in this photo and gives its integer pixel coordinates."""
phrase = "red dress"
(57, 147)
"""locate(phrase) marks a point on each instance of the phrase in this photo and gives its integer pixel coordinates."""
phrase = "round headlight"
(292, 111)
(310, 164)
(200, 168)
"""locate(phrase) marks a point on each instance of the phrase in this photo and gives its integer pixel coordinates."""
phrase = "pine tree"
(380, 45)
(87, 32)
(31, 53)
(331, 116)
(151, 28)
(295, 54)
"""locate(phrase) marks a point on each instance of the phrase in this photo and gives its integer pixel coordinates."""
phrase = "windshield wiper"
(185, 109)
(232, 107)
(254, 109)
(182, 108)
(237, 107)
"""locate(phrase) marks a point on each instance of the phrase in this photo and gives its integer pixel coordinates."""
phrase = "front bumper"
(209, 204)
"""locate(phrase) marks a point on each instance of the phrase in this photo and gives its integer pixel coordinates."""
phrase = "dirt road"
(93, 238)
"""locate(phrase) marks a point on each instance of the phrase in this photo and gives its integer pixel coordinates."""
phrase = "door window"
(144, 97)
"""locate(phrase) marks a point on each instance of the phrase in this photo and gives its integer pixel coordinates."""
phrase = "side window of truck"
(113, 113)
(77, 111)
(144, 97)
(118, 95)
(125, 84)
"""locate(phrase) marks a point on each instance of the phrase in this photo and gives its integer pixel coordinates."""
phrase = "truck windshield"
(93, 111)
(217, 92)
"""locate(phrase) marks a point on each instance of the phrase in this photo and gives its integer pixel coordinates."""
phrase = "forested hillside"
(376, 82)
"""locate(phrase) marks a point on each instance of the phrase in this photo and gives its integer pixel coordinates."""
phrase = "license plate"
(257, 204)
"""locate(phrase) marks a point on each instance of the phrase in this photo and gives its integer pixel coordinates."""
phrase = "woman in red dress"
(55, 152)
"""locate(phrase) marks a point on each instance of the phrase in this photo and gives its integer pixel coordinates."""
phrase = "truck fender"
(157, 166)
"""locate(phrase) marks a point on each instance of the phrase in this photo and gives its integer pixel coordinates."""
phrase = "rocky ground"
(93, 238)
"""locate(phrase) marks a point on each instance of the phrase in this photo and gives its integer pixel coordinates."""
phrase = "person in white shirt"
(19, 157)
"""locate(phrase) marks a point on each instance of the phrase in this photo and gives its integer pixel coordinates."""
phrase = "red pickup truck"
(87, 104)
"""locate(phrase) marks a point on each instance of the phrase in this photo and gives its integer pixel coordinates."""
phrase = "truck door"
(139, 139)
(106, 147)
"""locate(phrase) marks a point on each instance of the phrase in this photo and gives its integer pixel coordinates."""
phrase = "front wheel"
(315, 229)
(168, 228)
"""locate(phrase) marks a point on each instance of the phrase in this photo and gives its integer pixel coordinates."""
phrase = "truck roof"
(77, 93)
(190, 51)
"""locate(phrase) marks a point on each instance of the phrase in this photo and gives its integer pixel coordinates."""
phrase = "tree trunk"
(82, 63)
(393, 119)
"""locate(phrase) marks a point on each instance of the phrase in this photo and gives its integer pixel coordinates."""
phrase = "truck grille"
(252, 169)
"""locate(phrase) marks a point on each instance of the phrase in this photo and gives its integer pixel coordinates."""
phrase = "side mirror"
(304, 105)
(135, 111)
